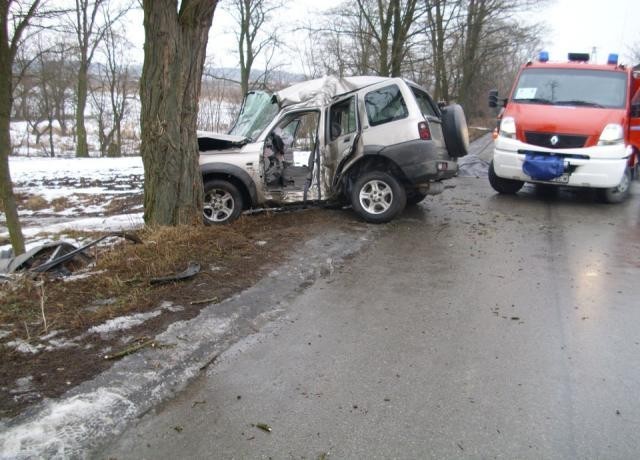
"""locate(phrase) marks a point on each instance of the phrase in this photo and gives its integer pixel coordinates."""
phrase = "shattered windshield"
(572, 87)
(257, 111)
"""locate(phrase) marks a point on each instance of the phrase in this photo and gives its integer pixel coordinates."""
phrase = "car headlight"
(612, 134)
(508, 127)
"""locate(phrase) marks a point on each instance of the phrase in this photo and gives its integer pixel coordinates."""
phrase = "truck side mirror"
(493, 98)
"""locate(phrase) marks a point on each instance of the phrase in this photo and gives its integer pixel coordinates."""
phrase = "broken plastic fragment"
(192, 270)
(264, 427)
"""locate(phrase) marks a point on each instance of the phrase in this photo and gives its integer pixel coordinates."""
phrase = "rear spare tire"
(455, 131)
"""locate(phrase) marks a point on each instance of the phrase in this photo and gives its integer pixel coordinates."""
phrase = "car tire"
(619, 193)
(501, 185)
(378, 197)
(413, 198)
(455, 131)
(222, 202)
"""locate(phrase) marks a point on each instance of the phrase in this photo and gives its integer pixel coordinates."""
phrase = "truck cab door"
(634, 127)
(342, 132)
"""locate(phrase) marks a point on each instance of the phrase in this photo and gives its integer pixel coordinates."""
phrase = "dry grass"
(33, 202)
(60, 204)
(127, 270)
(230, 258)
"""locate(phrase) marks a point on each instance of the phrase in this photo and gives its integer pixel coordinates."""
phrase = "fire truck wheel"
(501, 185)
(621, 192)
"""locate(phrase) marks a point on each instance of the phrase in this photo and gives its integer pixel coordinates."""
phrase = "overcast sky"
(612, 26)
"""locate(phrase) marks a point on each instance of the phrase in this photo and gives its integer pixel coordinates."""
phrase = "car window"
(342, 118)
(293, 138)
(385, 105)
(424, 102)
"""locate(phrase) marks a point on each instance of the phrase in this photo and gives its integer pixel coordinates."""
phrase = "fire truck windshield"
(572, 87)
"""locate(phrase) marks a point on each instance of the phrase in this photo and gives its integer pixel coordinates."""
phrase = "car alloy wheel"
(222, 202)
(376, 197)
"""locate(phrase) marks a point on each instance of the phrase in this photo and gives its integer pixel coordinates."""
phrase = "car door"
(342, 134)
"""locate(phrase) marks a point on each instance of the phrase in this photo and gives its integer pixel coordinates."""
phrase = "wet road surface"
(476, 326)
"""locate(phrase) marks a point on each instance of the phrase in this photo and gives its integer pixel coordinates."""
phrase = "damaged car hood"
(216, 141)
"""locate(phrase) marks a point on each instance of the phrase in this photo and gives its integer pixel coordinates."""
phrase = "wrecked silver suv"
(375, 143)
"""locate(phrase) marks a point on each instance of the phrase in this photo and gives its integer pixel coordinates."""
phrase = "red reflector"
(423, 130)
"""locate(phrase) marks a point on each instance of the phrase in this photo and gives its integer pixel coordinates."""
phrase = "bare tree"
(368, 36)
(491, 30)
(634, 53)
(174, 53)
(45, 106)
(109, 94)
(442, 17)
(253, 17)
(89, 31)
(390, 25)
(52, 76)
(15, 17)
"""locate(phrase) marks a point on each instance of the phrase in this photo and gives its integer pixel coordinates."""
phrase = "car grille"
(564, 141)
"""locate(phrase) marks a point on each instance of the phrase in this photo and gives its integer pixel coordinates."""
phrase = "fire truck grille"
(555, 141)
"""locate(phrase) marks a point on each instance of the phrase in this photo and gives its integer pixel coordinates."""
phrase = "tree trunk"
(82, 149)
(476, 17)
(6, 186)
(174, 50)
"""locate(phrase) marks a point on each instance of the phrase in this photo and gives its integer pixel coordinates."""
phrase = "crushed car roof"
(320, 91)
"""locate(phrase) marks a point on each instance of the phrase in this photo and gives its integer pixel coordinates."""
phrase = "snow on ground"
(124, 322)
(64, 424)
(25, 169)
(88, 186)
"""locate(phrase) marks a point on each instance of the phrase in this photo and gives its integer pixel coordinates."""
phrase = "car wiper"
(580, 103)
(533, 100)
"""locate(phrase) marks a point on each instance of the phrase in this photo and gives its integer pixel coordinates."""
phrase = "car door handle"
(346, 139)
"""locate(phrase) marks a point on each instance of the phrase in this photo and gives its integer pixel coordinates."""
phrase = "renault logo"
(554, 140)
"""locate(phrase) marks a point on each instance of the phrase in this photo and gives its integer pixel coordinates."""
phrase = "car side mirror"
(493, 98)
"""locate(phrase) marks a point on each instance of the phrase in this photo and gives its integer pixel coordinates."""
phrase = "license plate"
(564, 179)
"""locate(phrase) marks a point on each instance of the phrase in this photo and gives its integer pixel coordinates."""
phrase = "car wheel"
(413, 198)
(455, 131)
(500, 185)
(621, 192)
(378, 197)
(222, 202)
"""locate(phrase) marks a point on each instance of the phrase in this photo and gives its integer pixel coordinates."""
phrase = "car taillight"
(423, 130)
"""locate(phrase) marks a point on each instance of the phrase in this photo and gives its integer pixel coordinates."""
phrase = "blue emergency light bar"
(543, 56)
(613, 59)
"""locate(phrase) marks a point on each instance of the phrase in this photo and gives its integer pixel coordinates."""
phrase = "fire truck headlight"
(508, 127)
(612, 134)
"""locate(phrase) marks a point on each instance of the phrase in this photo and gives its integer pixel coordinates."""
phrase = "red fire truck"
(570, 123)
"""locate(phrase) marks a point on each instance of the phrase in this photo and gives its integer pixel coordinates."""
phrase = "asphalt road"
(476, 326)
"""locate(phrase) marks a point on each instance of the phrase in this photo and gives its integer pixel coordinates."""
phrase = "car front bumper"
(597, 167)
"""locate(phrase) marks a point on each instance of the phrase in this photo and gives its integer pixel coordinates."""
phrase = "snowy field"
(88, 194)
